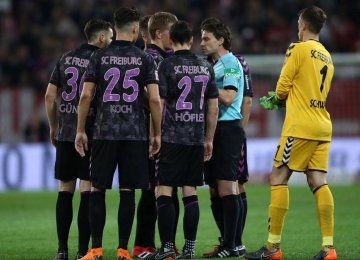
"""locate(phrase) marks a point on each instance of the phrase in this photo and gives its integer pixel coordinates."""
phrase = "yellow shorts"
(301, 154)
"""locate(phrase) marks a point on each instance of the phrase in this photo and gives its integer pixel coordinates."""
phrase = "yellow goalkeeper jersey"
(304, 82)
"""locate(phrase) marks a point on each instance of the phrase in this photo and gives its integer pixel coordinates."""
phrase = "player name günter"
(69, 108)
(188, 117)
(123, 109)
(317, 103)
(191, 69)
(114, 60)
(83, 63)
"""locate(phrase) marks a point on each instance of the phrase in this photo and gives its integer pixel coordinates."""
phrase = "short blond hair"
(160, 21)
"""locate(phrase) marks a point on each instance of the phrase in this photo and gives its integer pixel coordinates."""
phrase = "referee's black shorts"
(227, 153)
(69, 165)
(131, 158)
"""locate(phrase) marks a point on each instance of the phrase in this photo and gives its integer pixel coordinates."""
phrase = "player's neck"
(124, 37)
(219, 53)
(159, 44)
(181, 47)
(310, 36)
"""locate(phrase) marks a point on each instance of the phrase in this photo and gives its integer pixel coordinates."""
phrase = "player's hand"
(271, 102)
(208, 148)
(52, 136)
(154, 145)
(81, 143)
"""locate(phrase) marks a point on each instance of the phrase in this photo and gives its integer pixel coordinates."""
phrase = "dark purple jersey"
(186, 82)
(120, 72)
(68, 76)
(248, 89)
(157, 53)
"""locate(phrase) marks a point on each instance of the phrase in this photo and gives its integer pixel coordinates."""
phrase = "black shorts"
(152, 183)
(131, 158)
(243, 174)
(180, 165)
(69, 165)
(227, 150)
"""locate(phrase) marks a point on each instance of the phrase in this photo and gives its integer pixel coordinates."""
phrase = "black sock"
(125, 216)
(166, 216)
(84, 222)
(191, 220)
(217, 211)
(231, 214)
(146, 219)
(244, 201)
(175, 199)
(239, 226)
(64, 215)
(97, 209)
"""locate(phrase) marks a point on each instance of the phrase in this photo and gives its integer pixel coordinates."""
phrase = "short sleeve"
(163, 88)
(91, 74)
(212, 91)
(232, 75)
(151, 73)
(55, 75)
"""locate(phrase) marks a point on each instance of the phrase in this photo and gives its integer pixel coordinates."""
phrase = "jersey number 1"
(323, 72)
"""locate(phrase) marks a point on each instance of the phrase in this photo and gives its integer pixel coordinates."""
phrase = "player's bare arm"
(156, 114)
(50, 105)
(81, 140)
(211, 122)
(227, 96)
(246, 110)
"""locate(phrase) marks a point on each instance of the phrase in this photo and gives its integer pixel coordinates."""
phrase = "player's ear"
(221, 41)
(101, 37)
(157, 34)
(191, 41)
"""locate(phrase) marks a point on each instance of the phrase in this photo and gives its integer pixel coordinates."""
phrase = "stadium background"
(35, 33)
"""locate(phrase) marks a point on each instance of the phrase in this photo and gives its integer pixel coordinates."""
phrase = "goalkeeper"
(304, 144)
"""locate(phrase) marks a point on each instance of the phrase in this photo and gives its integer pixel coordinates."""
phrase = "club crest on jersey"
(232, 73)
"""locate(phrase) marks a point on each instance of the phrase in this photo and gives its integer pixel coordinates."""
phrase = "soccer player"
(222, 170)
(187, 86)
(69, 166)
(243, 173)
(304, 84)
(144, 32)
(119, 74)
(159, 26)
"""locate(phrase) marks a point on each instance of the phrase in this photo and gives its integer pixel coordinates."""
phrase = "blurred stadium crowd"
(35, 33)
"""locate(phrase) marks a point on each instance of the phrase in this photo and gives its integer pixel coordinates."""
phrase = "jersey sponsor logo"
(232, 73)
(317, 104)
(320, 56)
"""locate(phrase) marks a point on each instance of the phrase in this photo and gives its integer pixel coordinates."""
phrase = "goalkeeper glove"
(271, 102)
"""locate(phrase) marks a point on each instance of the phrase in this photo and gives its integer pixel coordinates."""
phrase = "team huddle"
(167, 118)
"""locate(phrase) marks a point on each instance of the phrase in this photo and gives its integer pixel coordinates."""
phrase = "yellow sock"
(279, 204)
(325, 212)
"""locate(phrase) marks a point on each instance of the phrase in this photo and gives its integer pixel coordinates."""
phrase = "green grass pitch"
(27, 224)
